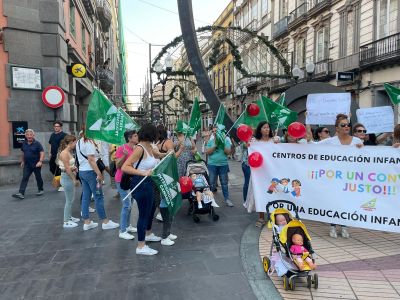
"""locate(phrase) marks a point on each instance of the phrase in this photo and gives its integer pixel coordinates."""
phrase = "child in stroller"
(201, 199)
(293, 256)
(202, 190)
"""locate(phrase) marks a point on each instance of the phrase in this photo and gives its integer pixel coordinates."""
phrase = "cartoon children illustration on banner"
(282, 186)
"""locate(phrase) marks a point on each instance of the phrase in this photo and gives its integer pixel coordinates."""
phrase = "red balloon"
(244, 133)
(255, 159)
(186, 184)
(253, 110)
(297, 130)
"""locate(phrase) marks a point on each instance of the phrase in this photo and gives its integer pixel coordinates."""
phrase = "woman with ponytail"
(66, 162)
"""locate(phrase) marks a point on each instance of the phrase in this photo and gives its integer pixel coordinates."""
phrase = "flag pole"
(236, 121)
(141, 181)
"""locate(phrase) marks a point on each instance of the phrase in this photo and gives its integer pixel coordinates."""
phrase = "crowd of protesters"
(83, 161)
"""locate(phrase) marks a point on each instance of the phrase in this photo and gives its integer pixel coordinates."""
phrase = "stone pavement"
(41, 260)
(366, 266)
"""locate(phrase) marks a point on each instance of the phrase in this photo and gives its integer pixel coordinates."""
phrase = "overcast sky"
(157, 22)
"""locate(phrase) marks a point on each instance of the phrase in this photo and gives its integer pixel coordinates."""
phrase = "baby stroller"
(198, 168)
(284, 260)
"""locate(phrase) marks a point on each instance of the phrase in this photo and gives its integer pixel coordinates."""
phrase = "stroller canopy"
(279, 211)
(291, 228)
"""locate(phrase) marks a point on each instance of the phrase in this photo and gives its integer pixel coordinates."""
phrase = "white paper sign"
(323, 108)
(376, 119)
(334, 184)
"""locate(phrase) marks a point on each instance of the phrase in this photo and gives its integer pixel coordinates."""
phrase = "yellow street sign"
(78, 70)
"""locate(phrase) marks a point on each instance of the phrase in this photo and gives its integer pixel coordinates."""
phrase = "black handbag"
(126, 178)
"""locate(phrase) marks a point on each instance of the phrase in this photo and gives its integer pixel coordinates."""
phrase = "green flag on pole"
(253, 121)
(278, 115)
(165, 176)
(104, 121)
(130, 123)
(281, 100)
(195, 118)
(219, 122)
(393, 92)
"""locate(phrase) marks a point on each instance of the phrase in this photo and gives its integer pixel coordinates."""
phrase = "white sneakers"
(91, 225)
(199, 205)
(146, 250)
(69, 224)
(345, 233)
(332, 232)
(167, 242)
(109, 225)
(130, 228)
(152, 238)
(126, 236)
(75, 220)
(61, 189)
(172, 237)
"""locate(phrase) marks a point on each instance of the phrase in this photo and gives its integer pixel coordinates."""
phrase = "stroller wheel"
(215, 218)
(285, 282)
(292, 284)
(309, 281)
(196, 218)
(266, 264)
(315, 281)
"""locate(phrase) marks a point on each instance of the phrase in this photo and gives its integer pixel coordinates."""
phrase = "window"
(283, 8)
(83, 32)
(322, 44)
(349, 31)
(229, 77)
(254, 10)
(72, 18)
(387, 12)
(223, 77)
(245, 15)
(264, 7)
(300, 53)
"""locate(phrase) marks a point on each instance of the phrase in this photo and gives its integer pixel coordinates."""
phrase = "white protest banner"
(344, 185)
(323, 108)
(376, 119)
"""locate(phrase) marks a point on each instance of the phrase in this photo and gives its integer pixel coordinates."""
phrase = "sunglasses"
(361, 131)
(326, 131)
(344, 125)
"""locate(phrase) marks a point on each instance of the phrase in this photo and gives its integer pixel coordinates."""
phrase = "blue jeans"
(89, 181)
(246, 172)
(222, 172)
(69, 190)
(145, 202)
(125, 209)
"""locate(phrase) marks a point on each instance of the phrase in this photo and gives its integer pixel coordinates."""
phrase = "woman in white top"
(342, 137)
(140, 164)
(66, 163)
(91, 179)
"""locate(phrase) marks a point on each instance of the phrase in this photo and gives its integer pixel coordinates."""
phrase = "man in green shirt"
(218, 163)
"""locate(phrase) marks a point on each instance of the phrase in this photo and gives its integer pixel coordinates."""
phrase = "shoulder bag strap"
(79, 147)
(141, 157)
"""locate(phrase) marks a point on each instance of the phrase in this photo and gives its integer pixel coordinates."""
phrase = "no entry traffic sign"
(53, 96)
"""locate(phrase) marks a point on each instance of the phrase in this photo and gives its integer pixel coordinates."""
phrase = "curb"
(261, 284)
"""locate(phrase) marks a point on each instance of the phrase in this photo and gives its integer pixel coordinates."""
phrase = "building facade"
(40, 38)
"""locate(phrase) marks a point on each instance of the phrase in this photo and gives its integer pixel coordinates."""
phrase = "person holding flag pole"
(140, 164)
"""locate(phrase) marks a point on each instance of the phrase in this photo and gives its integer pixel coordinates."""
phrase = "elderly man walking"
(31, 162)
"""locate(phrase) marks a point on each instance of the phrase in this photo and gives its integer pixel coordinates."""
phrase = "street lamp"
(310, 68)
(243, 93)
(162, 76)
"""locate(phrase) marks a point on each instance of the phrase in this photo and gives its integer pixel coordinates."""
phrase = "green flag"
(130, 123)
(219, 122)
(278, 115)
(281, 100)
(195, 118)
(105, 121)
(182, 127)
(253, 121)
(393, 92)
(165, 176)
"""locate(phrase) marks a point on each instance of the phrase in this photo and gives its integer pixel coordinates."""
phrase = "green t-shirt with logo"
(218, 157)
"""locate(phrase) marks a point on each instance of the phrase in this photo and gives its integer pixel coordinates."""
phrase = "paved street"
(41, 260)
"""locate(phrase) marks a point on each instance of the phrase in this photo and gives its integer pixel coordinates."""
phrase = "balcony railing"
(106, 79)
(346, 63)
(280, 27)
(322, 68)
(244, 37)
(223, 52)
(386, 49)
(316, 6)
(221, 91)
(90, 6)
(299, 12)
(104, 13)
